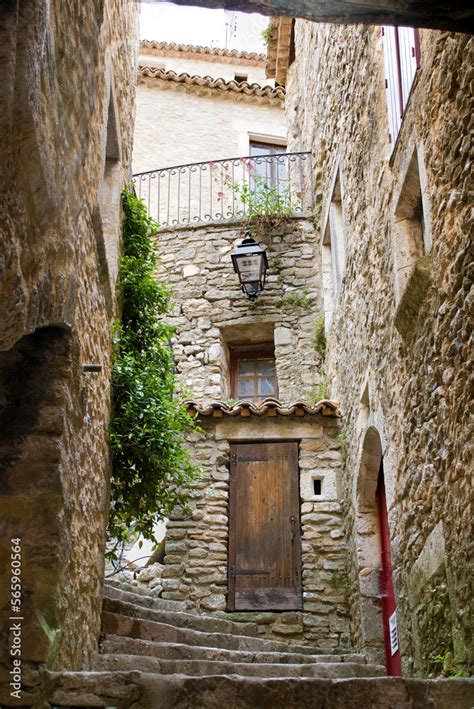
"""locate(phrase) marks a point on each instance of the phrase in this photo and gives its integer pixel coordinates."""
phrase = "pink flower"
(219, 196)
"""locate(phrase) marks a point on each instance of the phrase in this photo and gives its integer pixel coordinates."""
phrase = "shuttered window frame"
(401, 49)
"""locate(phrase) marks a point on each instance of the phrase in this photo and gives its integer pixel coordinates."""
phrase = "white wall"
(174, 127)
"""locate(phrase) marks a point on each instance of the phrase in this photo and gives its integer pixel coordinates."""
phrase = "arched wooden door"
(389, 605)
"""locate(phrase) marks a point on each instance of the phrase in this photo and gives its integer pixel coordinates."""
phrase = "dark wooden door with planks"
(264, 527)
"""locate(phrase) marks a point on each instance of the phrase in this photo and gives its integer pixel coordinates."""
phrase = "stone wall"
(210, 311)
(67, 85)
(196, 548)
(399, 367)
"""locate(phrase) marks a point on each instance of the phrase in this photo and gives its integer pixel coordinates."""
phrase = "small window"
(241, 78)
(333, 252)
(253, 372)
(261, 148)
(401, 46)
(411, 239)
(270, 168)
(411, 244)
(317, 486)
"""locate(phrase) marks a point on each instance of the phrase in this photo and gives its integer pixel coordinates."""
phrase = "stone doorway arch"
(368, 546)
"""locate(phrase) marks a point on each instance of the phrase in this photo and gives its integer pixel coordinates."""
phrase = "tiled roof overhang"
(172, 48)
(242, 87)
(268, 407)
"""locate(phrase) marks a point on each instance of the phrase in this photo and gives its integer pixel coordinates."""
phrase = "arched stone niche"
(368, 545)
(37, 377)
(42, 499)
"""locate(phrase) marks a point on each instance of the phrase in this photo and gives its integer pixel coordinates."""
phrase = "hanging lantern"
(250, 263)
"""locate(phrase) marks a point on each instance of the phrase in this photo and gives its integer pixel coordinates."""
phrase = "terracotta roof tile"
(196, 49)
(268, 407)
(238, 87)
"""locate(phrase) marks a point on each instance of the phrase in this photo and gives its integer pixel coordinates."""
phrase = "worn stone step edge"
(112, 585)
(218, 667)
(117, 624)
(148, 691)
(182, 620)
(176, 651)
(142, 599)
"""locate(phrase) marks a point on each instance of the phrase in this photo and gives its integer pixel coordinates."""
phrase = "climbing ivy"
(151, 470)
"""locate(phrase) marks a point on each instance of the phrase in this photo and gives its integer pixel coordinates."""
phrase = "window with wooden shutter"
(401, 49)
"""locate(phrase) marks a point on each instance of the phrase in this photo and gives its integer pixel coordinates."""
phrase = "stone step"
(150, 691)
(205, 623)
(175, 651)
(114, 588)
(112, 663)
(119, 624)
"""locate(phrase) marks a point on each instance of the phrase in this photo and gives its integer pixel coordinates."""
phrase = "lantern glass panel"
(249, 267)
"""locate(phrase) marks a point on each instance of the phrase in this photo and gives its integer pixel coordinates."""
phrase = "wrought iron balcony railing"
(225, 190)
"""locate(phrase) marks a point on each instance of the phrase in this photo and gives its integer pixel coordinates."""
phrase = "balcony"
(227, 190)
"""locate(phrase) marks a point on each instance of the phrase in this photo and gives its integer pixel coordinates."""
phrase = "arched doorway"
(377, 598)
(387, 591)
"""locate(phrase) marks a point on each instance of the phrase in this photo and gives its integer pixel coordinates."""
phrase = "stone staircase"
(155, 655)
(154, 635)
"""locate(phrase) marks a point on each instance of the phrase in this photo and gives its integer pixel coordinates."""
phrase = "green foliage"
(267, 33)
(54, 639)
(151, 469)
(318, 393)
(264, 201)
(319, 336)
(340, 577)
(343, 441)
(447, 667)
(276, 264)
(295, 300)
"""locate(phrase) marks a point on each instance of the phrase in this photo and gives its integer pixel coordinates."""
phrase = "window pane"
(266, 367)
(247, 387)
(267, 385)
(247, 367)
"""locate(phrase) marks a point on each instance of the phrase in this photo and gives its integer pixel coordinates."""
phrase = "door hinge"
(252, 459)
(247, 572)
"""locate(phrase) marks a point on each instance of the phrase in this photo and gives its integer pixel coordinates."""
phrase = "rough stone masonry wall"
(58, 63)
(414, 390)
(210, 310)
(196, 549)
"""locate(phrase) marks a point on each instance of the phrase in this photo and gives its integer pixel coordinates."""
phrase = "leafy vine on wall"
(151, 469)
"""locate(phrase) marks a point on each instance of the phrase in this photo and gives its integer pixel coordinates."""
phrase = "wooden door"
(264, 527)
(389, 604)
